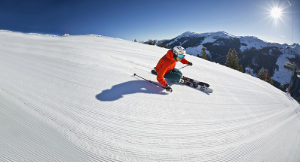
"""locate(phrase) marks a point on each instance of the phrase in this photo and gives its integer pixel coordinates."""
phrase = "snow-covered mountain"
(251, 51)
(75, 99)
(247, 42)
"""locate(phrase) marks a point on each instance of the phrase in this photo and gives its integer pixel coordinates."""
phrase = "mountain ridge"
(223, 34)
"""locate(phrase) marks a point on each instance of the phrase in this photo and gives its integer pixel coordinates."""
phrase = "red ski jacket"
(165, 65)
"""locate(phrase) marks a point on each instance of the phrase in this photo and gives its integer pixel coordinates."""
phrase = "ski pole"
(183, 67)
(149, 81)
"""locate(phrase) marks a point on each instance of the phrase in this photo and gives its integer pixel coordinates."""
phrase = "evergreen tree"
(241, 69)
(232, 60)
(229, 60)
(154, 42)
(150, 42)
(204, 55)
(269, 80)
(263, 75)
(164, 45)
(235, 64)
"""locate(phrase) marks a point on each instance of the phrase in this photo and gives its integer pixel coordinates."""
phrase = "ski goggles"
(181, 56)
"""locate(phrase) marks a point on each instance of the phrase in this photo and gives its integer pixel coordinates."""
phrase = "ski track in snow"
(75, 99)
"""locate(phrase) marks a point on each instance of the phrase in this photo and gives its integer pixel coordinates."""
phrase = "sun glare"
(276, 13)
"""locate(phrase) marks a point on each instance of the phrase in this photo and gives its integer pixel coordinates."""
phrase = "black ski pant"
(173, 75)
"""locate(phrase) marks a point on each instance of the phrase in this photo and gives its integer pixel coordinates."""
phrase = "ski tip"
(134, 74)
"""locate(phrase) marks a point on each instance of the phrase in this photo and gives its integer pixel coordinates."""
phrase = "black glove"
(168, 88)
(190, 63)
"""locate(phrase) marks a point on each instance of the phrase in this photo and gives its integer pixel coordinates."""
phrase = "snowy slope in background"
(247, 42)
(283, 75)
(254, 42)
(208, 38)
(217, 45)
(75, 99)
(220, 34)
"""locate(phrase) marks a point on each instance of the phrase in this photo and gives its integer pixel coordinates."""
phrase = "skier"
(165, 67)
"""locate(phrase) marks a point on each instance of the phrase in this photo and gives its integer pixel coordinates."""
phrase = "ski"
(196, 85)
(192, 83)
(195, 81)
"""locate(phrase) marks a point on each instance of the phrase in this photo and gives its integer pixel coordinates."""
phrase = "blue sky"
(152, 19)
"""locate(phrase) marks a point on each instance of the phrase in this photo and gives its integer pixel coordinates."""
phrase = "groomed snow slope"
(75, 99)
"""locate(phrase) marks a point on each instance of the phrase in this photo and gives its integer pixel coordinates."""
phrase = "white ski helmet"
(178, 50)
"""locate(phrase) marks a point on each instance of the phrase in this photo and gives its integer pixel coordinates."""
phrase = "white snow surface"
(198, 49)
(252, 42)
(283, 75)
(75, 99)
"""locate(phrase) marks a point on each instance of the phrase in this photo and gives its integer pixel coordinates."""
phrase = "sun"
(276, 12)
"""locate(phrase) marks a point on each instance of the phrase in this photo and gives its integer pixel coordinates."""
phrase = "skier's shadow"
(136, 86)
